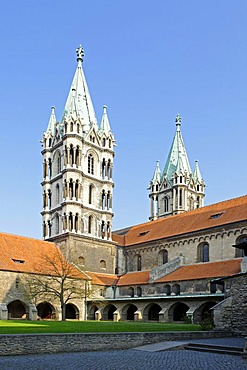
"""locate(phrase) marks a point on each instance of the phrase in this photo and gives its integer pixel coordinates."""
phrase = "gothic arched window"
(90, 164)
(90, 194)
(139, 262)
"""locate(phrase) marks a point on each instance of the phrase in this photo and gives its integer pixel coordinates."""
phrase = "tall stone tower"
(77, 180)
(177, 189)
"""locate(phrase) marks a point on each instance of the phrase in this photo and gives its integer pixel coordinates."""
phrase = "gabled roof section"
(204, 270)
(230, 211)
(177, 161)
(79, 103)
(32, 256)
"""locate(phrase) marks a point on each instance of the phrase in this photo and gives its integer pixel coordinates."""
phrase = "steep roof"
(79, 102)
(204, 270)
(27, 255)
(219, 214)
(177, 161)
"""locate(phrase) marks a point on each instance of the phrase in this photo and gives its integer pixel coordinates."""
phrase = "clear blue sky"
(147, 61)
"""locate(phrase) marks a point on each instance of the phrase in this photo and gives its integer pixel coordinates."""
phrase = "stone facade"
(231, 313)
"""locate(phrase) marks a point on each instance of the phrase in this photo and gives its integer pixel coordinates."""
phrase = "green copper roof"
(177, 161)
(79, 103)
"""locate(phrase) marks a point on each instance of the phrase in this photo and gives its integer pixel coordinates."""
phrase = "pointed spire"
(51, 128)
(157, 174)
(177, 160)
(197, 174)
(104, 125)
(79, 103)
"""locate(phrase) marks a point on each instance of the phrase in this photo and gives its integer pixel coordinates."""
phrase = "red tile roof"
(22, 254)
(134, 278)
(102, 279)
(223, 213)
(204, 270)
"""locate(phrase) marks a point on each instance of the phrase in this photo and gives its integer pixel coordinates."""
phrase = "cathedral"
(179, 265)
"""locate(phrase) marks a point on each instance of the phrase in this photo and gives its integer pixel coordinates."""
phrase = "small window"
(144, 233)
(217, 215)
(103, 264)
(17, 261)
(81, 261)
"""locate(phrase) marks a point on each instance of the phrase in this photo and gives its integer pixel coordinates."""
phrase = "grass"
(33, 327)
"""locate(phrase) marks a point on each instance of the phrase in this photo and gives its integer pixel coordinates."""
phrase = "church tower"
(177, 189)
(77, 180)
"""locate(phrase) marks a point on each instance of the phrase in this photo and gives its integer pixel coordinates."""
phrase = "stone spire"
(52, 123)
(197, 174)
(105, 125)
(79, 103)
(177, 161)
(157, 174)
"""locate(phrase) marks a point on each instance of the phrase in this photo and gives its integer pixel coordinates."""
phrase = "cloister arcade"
(159, 311)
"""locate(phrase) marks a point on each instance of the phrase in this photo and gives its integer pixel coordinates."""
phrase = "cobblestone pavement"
(125, 360)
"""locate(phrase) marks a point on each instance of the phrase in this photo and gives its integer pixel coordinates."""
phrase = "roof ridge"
(197, 210)
(26, 237)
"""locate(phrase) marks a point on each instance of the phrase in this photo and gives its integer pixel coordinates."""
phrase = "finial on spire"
(178, 121)
(104, 108)
(80, 54)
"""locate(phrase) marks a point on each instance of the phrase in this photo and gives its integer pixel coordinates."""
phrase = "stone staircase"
(214, 348)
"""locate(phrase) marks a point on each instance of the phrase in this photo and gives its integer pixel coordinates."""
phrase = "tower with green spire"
(177, 189)
(77, 179)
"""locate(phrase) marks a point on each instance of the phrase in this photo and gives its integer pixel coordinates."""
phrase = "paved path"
(125, 360)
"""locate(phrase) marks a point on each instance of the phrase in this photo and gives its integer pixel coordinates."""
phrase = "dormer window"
(144, 233)
(17, 261)
(216, 215)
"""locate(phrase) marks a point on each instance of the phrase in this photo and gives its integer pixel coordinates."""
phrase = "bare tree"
(58, 279)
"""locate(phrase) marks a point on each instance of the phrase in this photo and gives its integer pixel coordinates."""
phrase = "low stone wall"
(20, 344)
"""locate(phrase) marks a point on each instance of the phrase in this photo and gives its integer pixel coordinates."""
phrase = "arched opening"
(16, 310)
(81, 261)
(153, 312)
(131, 312)
(103, 264)
(71, 312)
(131, 292)
(167, 289)
(241, 241)
(204, 312)
(139, 291)
(90, 164)
(176, 289)
(46, 311)
(203, 252)
(162, 257)
(178, 311)
(138, 259)
(92, 312)
(108, 312)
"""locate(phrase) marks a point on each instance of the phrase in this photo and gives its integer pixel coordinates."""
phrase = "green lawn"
(24, 327)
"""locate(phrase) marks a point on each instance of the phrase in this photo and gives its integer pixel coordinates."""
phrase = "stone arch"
(17, 310)
(108, 312)
(46, 310)
(151, 312)
(71, 312)
(241, 239)
(177, 311)
(203, 312)
(128, 312)
(92, 312)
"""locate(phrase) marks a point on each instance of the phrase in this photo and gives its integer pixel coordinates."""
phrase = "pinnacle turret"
(105, 125)
(51, 128)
